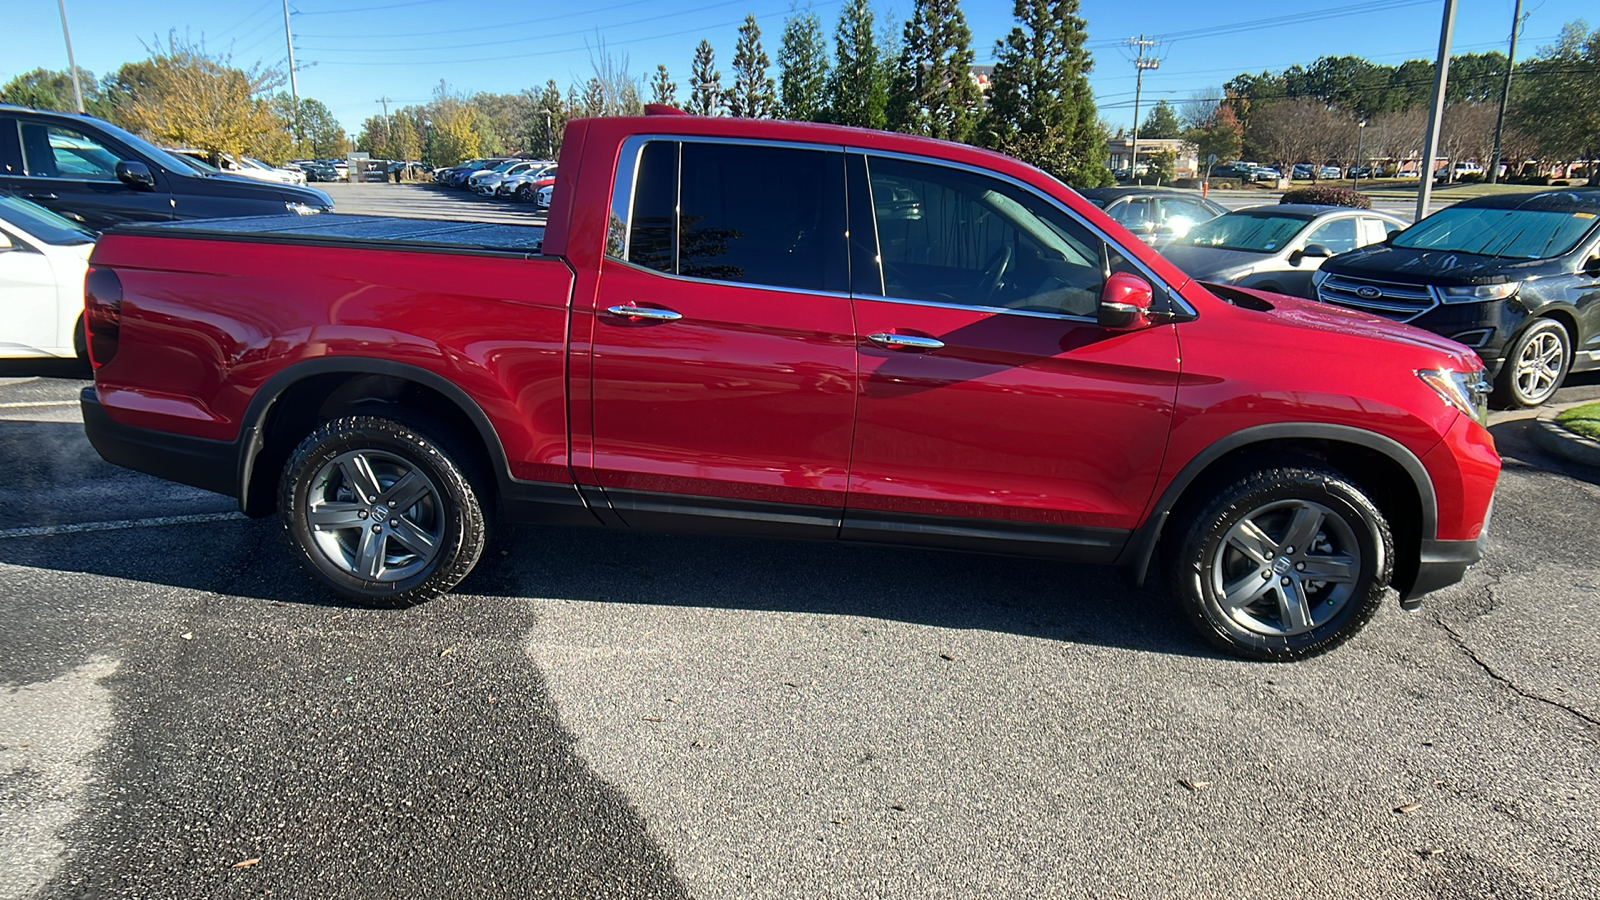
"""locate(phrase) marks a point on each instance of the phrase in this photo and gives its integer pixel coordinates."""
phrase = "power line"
(498, 26)
(360, 9)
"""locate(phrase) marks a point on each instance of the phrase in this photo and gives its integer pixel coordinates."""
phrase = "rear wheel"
(1283, 564)
(380, 511)
(1535, 366)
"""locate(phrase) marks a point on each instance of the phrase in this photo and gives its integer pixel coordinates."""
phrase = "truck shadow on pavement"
(59, 480)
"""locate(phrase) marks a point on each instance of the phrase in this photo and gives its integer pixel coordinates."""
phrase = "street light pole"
(1505, 95)
(1430, 150)
(77, 89)
(1361, 132)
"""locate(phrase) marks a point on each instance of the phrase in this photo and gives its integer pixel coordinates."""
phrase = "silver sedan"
(1277, 248)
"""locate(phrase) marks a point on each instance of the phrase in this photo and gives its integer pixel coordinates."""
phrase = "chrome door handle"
(905, 341)
(629, 311)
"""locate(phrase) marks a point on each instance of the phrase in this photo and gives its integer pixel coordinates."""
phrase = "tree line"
(1039, 107)
(1325, 110)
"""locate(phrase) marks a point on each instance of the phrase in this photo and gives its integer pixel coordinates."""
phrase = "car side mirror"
(1310, 250)
(1592, 267)
(136, 175)
(1125, 303)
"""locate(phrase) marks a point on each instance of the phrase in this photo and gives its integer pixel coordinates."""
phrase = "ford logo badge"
(1368, 292)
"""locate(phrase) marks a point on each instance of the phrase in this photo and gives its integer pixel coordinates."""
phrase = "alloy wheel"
(375, 515)
(1286, 568)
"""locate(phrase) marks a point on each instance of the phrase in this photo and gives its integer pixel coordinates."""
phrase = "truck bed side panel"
(205, 322)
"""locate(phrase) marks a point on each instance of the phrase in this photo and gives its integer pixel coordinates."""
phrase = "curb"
(1558, 440)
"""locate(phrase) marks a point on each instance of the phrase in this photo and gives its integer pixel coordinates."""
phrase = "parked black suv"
(1516, 277)
(92, 171)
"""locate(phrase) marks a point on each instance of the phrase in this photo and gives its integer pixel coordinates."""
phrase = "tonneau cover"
(364, 231)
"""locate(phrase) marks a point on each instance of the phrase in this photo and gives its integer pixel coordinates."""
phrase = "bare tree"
(613, 84)
(1467, 133)
(1299, 129)
(1200, 108)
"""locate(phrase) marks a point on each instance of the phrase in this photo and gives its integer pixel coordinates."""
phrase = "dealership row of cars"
(506, 178)
(1515, 277)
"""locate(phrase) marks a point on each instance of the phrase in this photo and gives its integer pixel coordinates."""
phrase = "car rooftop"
(1581, 199)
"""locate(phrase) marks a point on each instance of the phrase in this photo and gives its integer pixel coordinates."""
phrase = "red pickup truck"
(793, 330)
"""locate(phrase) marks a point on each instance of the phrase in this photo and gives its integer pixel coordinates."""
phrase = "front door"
(723, 365)
(73, 173)
(993, 412)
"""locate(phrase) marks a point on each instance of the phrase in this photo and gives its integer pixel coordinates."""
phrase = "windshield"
(165, 158)
(505, 165)
(42, 223)
(1253, 232)
(1511, 233)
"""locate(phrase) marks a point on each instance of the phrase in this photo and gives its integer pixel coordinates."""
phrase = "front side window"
(947, 235)
(1338, 235)
(756, 215)
(53, 151)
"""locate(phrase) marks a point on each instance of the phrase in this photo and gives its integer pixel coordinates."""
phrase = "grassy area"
(1584, 420)
(1407, 187)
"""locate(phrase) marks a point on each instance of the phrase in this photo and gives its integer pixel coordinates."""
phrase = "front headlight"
(1317, 278)
(1478, 293)
(305, 209)
(1466, 391)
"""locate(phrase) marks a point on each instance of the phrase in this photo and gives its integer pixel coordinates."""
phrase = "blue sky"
(350, 53)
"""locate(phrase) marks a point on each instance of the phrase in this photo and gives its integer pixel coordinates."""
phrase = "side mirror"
(1310, 250)
(136, 175)
(1592, 267)
(1125, 303)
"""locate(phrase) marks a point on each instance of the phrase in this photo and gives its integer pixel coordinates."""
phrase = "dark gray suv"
(92, 171)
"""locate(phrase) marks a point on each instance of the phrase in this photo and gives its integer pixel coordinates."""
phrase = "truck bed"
(373, 232)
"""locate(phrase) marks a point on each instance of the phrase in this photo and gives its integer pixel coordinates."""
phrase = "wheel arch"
(288, 406)
(1391, 474)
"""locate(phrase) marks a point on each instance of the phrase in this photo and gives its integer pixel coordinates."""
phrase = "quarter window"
(952, 236)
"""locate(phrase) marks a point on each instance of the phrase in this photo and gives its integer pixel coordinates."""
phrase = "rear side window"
(762, 215)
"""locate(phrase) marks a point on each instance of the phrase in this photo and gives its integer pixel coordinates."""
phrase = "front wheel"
(1282, 564)
(380, 511)
(1535, 366)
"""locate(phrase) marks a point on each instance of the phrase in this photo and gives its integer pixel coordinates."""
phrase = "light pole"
(1361, 132)
(77, 89)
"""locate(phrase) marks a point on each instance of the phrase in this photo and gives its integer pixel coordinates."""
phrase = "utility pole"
(1505, 95)
(385, 101)
(1140, 63)
(1430, 152)
(77, 89)
(294, 86)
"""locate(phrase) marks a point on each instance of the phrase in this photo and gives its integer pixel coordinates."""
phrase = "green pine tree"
(705, 82)
(933, 92)
(1040, 107)
(803, 67)
(662, 88)
(1161, 123)
(858, 90)
(752, 95)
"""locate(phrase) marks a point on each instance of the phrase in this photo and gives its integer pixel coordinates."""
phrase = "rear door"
(724, 356)
(994, 412)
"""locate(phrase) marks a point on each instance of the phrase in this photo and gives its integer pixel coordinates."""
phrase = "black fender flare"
(251, 431)
(1141, 546)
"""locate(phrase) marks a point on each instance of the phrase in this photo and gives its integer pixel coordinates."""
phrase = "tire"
(415, 540)
(1536, 364)
(1236, 576)
(80, 340)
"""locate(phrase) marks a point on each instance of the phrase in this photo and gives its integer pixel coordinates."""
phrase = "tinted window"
(951, 236)
(651, 231)
(762, 215)
(52, 151)
(1338, 235)
(1256, 232)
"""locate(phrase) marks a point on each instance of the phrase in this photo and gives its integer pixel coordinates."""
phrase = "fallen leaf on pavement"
(1427, 852)
(446, 652)
(246, 863)
(1194, 785)
(187, 635)
(947, 657)
(1411, 807)
(899, 806)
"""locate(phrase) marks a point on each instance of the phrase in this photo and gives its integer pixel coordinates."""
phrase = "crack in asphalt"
(1461, 642)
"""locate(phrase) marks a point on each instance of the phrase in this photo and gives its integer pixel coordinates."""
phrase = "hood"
(248, 188)
(1311, 315)
(1208, 262)
(1436, 267)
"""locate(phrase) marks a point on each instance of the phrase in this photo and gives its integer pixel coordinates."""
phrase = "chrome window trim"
(1030, 313)
(1176, 298)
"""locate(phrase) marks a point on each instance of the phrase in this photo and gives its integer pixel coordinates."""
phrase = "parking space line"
(118, 525)
(33, 404)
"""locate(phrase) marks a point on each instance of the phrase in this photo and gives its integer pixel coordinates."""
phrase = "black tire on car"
(381, 511)
(1282, 564)
(1536, 364)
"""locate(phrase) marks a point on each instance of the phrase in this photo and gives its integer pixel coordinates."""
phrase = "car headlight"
(305, 209)
(1466, 391)
(1317, 278)
(1478, 293)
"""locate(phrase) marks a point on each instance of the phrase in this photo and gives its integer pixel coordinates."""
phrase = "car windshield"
(42, 223)
(1511, 233)
(1254, 232)
(168, 160)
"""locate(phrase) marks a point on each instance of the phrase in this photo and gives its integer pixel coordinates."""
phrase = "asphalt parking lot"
(598, 714)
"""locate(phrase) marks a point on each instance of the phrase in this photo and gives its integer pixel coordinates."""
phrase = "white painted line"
(118, 525)
(37, 403)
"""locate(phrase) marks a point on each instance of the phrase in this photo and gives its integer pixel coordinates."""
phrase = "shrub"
(1471, 178)
(1536, 180)
(1328, 195)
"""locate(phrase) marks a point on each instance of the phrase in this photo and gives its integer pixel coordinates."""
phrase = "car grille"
(1390, 299)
